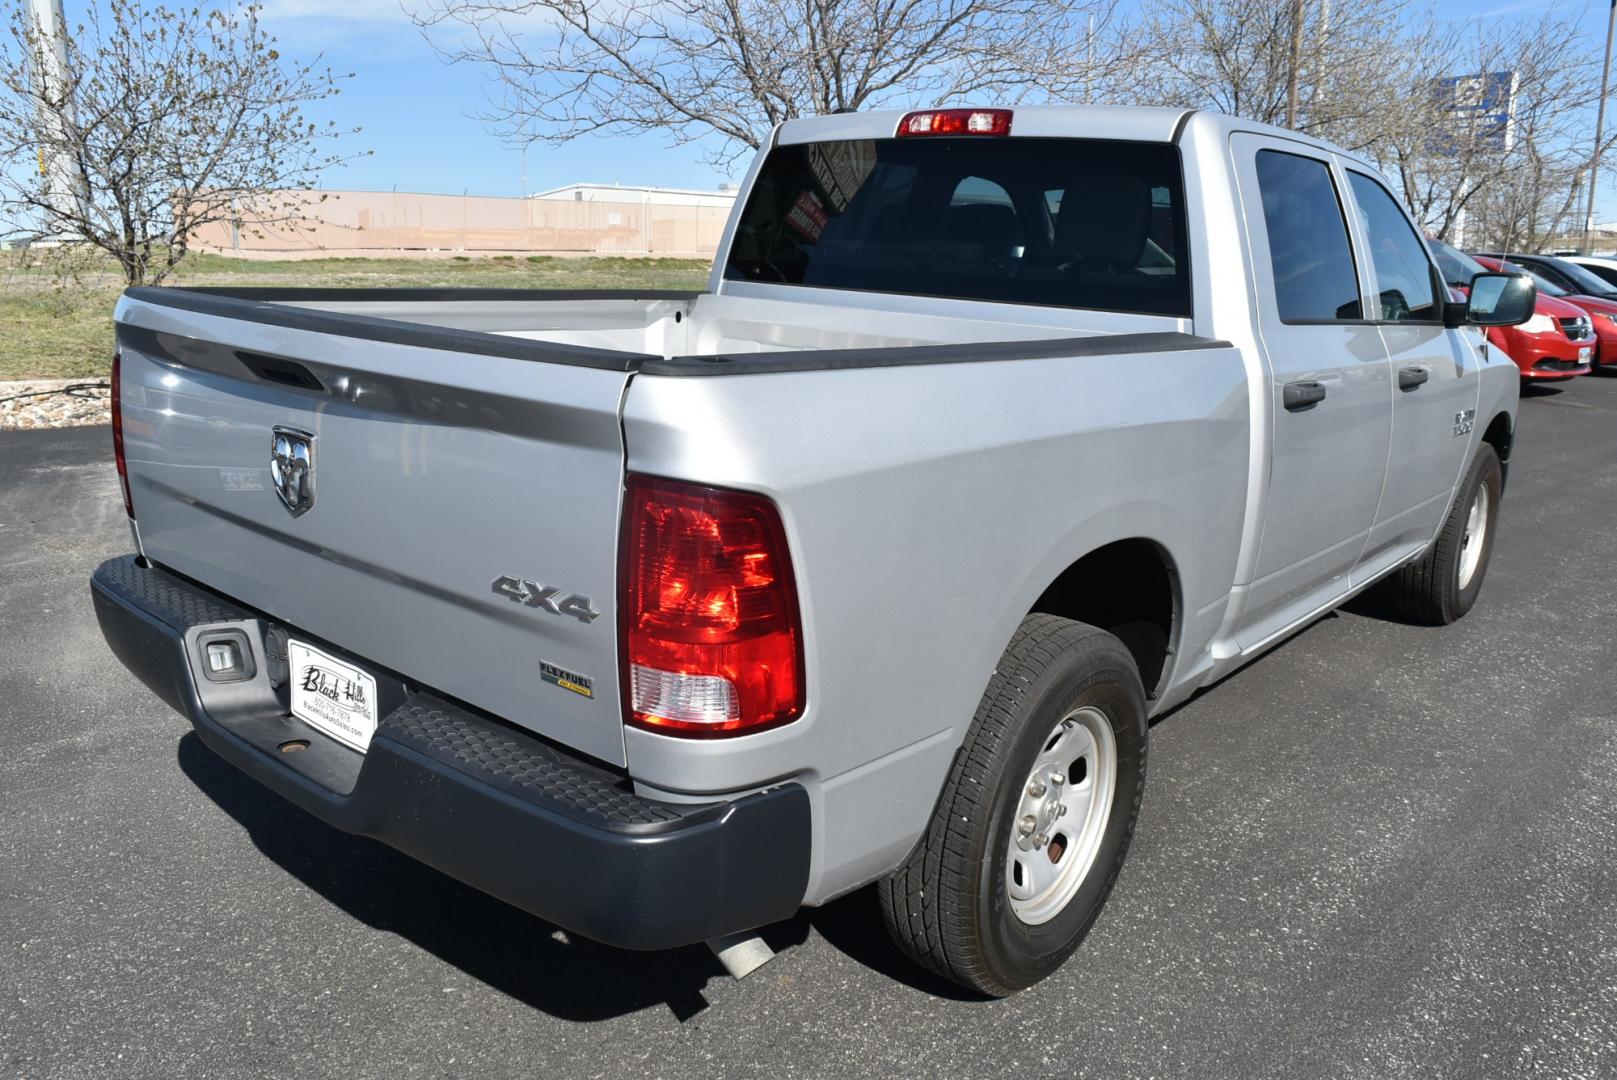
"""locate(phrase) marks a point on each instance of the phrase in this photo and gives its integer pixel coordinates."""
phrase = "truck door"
(1330, 415)
(1434, 380)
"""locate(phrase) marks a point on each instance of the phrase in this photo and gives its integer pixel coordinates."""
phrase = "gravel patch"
(54, 403)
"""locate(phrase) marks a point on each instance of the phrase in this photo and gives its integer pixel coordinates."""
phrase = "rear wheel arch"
(1131, 589)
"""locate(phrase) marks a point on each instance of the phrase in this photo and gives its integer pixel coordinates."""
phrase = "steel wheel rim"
(1473, 540)
(1061, 816)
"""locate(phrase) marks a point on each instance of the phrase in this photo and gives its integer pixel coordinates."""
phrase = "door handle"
(1410, 378)
(1302, 396)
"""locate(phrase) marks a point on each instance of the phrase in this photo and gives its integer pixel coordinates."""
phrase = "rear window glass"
(1308, 240)
(1608, 274)
(1077, 223)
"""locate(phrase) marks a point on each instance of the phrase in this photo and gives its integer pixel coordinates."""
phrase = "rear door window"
(1309, 253)
(1076, 223)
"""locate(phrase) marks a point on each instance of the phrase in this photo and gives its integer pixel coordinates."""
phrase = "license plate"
(1584, 354)
(334, 698)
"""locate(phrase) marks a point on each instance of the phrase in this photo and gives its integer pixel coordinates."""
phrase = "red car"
(1602, 312)
(1556, 343)
(1581, 286)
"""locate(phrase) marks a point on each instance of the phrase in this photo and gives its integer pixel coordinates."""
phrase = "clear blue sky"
(418, 112)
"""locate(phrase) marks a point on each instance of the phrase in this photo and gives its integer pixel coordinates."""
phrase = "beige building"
(722, 197)
(582, 219)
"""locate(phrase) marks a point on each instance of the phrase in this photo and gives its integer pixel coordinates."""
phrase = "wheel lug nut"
(1036, 789)
(1027, 825)
(1040, 840)
(1057, 779)
(1062, 809)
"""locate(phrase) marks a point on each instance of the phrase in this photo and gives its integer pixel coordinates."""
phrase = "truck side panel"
(927, 508)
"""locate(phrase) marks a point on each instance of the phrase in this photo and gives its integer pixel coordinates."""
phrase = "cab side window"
(1309, 252)
(1544, 269)
(1403, 272)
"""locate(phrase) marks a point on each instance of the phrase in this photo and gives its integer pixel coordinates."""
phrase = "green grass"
(52, 330)
(42, 340)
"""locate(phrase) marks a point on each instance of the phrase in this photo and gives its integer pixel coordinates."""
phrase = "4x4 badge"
(543, 597)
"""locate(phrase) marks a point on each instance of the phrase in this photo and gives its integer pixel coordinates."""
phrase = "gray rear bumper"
(484, 802)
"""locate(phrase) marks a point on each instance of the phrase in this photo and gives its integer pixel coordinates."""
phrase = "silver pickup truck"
(996, 434)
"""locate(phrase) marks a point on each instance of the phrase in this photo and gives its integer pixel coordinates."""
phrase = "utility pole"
(1293, 69)
(1089, 63)
(1600, 131)
(48, 71)
(1322, 40)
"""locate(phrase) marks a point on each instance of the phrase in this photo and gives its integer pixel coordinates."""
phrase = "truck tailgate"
(463, 526)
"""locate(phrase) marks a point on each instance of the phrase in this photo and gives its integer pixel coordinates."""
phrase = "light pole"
(48, 70)
(1600, 130)
(1296, 62)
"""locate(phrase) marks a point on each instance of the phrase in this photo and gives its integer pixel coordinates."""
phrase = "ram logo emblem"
(544, 597)
(292, 468)
(1463, 422)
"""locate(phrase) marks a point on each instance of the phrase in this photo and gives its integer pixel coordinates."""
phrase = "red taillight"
(956, 122)
(712, 640)
(118, 433)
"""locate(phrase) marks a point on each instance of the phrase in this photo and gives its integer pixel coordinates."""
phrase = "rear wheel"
(1035, 818)
(1444, 583)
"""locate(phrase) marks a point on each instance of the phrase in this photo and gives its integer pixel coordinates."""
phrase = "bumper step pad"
(485, 802)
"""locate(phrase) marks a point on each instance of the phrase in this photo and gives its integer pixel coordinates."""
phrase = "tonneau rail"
(275, 307)
(764, 363)
(278, 307)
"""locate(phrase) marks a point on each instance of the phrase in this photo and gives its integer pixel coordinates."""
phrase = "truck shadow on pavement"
(518, 954)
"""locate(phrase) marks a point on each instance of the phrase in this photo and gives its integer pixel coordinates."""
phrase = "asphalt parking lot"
(1381, 851)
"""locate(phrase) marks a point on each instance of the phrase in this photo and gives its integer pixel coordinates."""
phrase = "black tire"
(948, 905)
(1428, 590)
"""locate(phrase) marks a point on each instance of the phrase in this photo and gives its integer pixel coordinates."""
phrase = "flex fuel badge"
(567, 680)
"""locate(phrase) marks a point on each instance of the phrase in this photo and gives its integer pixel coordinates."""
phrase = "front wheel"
(1442, 585)
(1035, 818)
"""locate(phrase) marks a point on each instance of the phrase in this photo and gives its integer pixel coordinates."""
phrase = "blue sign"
(1480, 105)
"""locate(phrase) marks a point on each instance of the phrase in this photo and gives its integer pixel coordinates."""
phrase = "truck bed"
(622, 330)
(466, 438)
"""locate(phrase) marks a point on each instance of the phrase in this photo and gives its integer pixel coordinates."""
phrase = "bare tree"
(1379, 78)
(1332, 68)
(1509, 185)
(734, 68)
(160, 121)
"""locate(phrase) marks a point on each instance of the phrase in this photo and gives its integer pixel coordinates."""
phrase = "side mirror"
(1501, 300)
